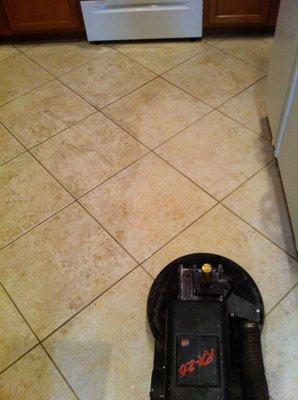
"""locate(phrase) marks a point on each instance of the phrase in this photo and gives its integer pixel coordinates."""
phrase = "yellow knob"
(207, 268)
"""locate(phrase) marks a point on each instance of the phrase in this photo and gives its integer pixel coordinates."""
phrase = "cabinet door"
(42, 15)
(238, 12)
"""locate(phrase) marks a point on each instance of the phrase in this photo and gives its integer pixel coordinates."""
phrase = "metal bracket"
(241, 308)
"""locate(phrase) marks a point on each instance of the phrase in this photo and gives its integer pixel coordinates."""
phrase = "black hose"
(254, 380)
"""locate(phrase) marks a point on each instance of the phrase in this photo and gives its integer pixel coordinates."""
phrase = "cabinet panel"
(238, 12)
(42, 15)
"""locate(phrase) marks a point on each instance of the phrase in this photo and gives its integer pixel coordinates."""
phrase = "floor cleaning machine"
(206, 314)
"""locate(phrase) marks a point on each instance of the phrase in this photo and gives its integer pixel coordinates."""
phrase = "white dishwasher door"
(142, 19)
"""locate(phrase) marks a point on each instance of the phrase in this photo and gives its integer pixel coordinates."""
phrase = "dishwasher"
(107, 20)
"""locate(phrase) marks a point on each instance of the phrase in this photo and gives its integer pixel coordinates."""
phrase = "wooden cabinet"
(41, 16)
(233, 13)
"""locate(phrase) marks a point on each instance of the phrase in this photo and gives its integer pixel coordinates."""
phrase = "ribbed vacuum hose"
(254, 379)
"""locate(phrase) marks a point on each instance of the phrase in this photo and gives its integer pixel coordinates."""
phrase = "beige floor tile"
(15, 336)
(64, 263)
(28, 195)
(59, 58)
(254, 50)
(214, 76)
(280, 348)
(106, 79)
(9, 146)
(156, 112)
(85, 155)
(261, 203)
(34, 377)
(19, 75)
(248, 108)
(6, 51)
(221, 232)
(105, 352)
(146, 205)
(44, 112)
(217, 153)
(161, 56)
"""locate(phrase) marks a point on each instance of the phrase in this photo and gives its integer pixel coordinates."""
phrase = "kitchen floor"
(116, 159)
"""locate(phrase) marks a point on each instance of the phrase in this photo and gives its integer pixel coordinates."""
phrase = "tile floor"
(114, 160)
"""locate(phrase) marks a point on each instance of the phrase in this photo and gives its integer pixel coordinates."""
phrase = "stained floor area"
(116, 159)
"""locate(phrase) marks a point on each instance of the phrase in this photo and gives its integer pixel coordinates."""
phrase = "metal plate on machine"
(197, 362)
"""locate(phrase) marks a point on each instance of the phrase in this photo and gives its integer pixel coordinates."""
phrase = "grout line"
(247, 180)
(198, 98)
(84, 63)
(17, 308)
(38, 344)
(187, 177)
(29, 91)
(101, 108)
(35, 226)
(188, 59)
(184, 90)
(125, 130)
(127, 94)
(60, 372)
(89, 303)
(178, 234)
(63, 130)
(13, 55)
(112, 176)
(109, 233)
(246, 127)
(135, 62)
(261, 233)
(74, 68)
(241, 91)
(88, 101)
(19, 358)
(14, 157)
(238, 58)
(168, 83)
(182, 130)
(164, 72)
(273, 308)
(147, 272)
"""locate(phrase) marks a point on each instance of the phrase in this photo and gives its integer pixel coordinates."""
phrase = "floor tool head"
(206, 314)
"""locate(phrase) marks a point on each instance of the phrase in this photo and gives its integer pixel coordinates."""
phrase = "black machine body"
(206, 314)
